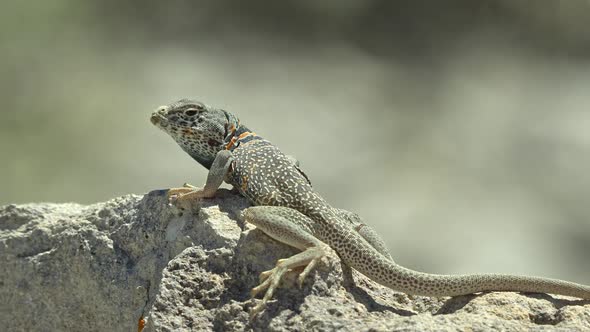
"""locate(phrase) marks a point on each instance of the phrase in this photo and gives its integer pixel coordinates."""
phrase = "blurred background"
(460, 130)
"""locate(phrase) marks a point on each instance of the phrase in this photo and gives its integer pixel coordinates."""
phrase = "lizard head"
(199, 129)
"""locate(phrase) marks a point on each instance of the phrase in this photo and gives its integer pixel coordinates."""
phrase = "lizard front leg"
(215, 178)
(290, 227)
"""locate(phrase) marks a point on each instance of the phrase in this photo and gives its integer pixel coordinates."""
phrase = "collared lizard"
(288, 209)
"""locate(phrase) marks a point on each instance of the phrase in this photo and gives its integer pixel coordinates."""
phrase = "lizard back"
(266, 176)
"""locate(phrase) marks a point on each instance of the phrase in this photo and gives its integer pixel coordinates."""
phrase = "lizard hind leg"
(290, 227)
(368, 233)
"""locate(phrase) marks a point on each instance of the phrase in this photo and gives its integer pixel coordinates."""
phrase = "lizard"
(287, 208)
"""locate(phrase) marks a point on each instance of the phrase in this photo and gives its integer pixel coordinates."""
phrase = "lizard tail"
(356, 253)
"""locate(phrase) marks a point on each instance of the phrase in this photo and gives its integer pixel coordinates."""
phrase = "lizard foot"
(187, 191)
(269, 280)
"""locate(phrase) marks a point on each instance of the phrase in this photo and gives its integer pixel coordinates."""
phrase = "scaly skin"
(289, 210)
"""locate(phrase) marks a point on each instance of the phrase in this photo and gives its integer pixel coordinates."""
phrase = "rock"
(104, 266)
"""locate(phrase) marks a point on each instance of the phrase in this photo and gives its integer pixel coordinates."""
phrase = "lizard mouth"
(158, 120)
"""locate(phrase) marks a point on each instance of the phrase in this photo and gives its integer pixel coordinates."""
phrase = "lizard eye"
(190, 112)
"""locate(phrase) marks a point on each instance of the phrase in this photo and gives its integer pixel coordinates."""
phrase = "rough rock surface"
(68, 267)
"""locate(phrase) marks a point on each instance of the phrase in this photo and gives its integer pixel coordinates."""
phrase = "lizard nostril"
(162, 109)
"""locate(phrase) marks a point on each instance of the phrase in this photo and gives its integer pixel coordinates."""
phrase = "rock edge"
(106, 265)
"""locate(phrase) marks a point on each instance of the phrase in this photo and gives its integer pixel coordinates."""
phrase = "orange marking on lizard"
(231, 143)
(246, 134)
(140, 324)
(241, 136)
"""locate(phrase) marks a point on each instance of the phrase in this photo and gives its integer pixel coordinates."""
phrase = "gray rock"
(104, 266)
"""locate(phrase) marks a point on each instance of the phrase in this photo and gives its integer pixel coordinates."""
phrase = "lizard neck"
(232, 126)
(240, 135)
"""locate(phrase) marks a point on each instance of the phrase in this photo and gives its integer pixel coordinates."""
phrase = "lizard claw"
(306, 271)
(270, 279)
(264, 275)
(175, 192)
(182, 194)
